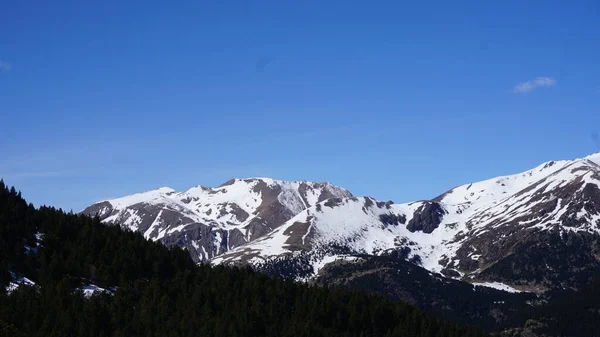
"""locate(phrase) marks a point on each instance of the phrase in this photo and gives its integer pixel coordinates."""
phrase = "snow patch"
(498, 286)
(17, 282)
(89, 290)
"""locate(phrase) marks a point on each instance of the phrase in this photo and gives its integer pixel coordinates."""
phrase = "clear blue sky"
(397, 100)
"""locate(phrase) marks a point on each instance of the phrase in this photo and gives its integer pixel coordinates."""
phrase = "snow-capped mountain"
(210, 221)
(534, 230)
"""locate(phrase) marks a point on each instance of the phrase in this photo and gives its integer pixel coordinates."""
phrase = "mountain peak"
(209, 221)
(273, 181)
(466, 232)
(595, 157)
(165, 189)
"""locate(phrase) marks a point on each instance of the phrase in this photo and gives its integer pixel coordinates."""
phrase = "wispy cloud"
(539, 82)
(5, 66)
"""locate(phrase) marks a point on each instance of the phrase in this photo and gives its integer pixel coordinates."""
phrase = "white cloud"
(539, 82)
(5, 66)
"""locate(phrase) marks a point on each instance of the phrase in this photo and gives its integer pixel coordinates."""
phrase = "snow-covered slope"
(210, 221)
(17, 282)
(472, 231)
(532, 230)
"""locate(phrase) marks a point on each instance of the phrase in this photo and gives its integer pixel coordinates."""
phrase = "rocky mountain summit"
(531, 231)
(210, 221)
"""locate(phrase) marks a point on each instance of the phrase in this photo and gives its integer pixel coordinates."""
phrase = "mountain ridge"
(88, 279)
(444, 233)
(208, 220)
(467, 232)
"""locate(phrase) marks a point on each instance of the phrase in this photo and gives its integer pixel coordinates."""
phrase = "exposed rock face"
(548, 260)
(545, 236)
(532, 231)
(102, 209)
(210, 221)
(392, 219)
(427, 217)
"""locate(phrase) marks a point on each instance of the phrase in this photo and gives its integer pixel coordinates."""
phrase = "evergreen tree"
(159, 291)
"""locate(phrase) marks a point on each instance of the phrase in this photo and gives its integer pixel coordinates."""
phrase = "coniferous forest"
(152, 290)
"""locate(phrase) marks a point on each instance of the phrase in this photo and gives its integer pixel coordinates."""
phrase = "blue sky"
(397, 100)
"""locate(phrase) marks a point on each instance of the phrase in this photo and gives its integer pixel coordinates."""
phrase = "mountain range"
(527, 232)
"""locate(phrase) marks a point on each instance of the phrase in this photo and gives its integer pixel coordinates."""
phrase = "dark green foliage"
(298, 266)
(572, 255)
(8, 330)
(161, 292)
(568, 313)
(451, 299)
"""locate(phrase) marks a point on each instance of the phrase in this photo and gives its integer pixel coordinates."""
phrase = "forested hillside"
(568, 313)
(68, 275)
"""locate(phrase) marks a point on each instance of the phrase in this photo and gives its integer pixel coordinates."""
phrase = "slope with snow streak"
(209, 221)
(332, 225)
(360, 225)
(17, 282)
(352, 222)
(463, 233)
(491, 217)
(89, 290)
(558, 213)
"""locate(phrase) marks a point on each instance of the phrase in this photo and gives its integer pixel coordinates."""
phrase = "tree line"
(160, 291)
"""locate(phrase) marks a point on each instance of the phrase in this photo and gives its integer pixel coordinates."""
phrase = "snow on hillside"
(482, 194)
(258, 219)
(470, 210)
(594, 157)
(497, 285)
(154, 196)
(209, 221)
(17, 282)
(228, 206)
(89, 290)
(355, 224)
